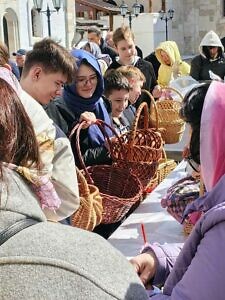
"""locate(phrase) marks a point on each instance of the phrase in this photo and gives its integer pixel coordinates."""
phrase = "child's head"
(123, 39)
(136, 80)
(47, 68)
(116, 91)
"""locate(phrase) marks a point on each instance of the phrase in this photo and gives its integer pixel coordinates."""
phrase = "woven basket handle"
(83, 183)
(101, 124)
(174, 90)
(164, 156)
(142, 106)
(154, 106)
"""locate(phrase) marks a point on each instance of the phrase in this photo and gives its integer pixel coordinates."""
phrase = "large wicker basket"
(119, 188)
(139, 145)
(168, 117)
(141, 149)
(90, 211)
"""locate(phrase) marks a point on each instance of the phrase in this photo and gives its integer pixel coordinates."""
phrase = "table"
(159, 225)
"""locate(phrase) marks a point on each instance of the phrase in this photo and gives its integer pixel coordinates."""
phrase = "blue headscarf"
(95, 104)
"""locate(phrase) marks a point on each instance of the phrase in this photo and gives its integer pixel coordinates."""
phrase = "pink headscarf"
(212, 135)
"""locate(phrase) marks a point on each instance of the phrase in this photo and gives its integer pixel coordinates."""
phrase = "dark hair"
(94, 29)
(18, 141)
(191, 112)
(115, 80)
(52, 57)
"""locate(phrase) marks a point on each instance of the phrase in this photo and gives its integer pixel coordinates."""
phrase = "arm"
(204, 276)
(156, 262)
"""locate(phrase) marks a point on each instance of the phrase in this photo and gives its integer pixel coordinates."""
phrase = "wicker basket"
(90, 211)
(119, 188)
(169, 118)
(165, 167)
(139, 145)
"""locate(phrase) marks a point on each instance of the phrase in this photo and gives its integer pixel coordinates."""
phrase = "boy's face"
(46, 86)
(126, 50)
(119, 101)
(135, 91)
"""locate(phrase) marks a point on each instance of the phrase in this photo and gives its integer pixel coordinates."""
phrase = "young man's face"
(135, 91)
(126, 50)
(86, 81)
(119, 101)
(93, 37)
(46, 86)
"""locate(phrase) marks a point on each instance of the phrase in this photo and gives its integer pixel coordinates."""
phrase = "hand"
(88, 117)
(145, 266)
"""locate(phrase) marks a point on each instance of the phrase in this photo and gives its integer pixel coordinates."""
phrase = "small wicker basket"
(165, 167)
(169, 118)
(90, 211)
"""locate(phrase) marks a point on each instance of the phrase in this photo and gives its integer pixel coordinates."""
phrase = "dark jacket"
(146, 68)
(107, 50)
(154, 61)
(202, 64)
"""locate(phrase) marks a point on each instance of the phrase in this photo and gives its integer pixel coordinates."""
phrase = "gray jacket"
(54, 261)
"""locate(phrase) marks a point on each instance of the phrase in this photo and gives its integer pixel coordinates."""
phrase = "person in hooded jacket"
(198, 272)
(171, 64)
(211, 58)
(83, 96)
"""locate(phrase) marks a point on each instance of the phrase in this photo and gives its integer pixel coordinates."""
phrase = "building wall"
(17, 14)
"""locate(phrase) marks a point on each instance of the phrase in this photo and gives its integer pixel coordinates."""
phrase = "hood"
(95, 49)
(171, 49)
(210, 39)
(212, 137)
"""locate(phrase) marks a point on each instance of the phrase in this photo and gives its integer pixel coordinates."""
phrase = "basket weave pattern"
(90, 210)
(119, 188)
(169, 118)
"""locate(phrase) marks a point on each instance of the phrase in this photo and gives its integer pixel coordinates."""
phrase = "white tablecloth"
(159, 225)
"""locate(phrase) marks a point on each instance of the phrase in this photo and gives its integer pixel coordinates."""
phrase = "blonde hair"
(131, 72)
(122, 33)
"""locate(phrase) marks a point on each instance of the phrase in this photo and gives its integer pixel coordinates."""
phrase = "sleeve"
(204, 277)
(166, 255)
(195, 68)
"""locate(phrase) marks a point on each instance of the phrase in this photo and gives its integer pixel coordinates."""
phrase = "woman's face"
(86, 81)
(165, 57)
(126, 50)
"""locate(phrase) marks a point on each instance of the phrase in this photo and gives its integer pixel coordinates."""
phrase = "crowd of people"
(44, 95)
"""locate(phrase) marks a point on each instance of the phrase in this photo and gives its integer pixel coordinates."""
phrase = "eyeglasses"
(192, 163)
(82, 81)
